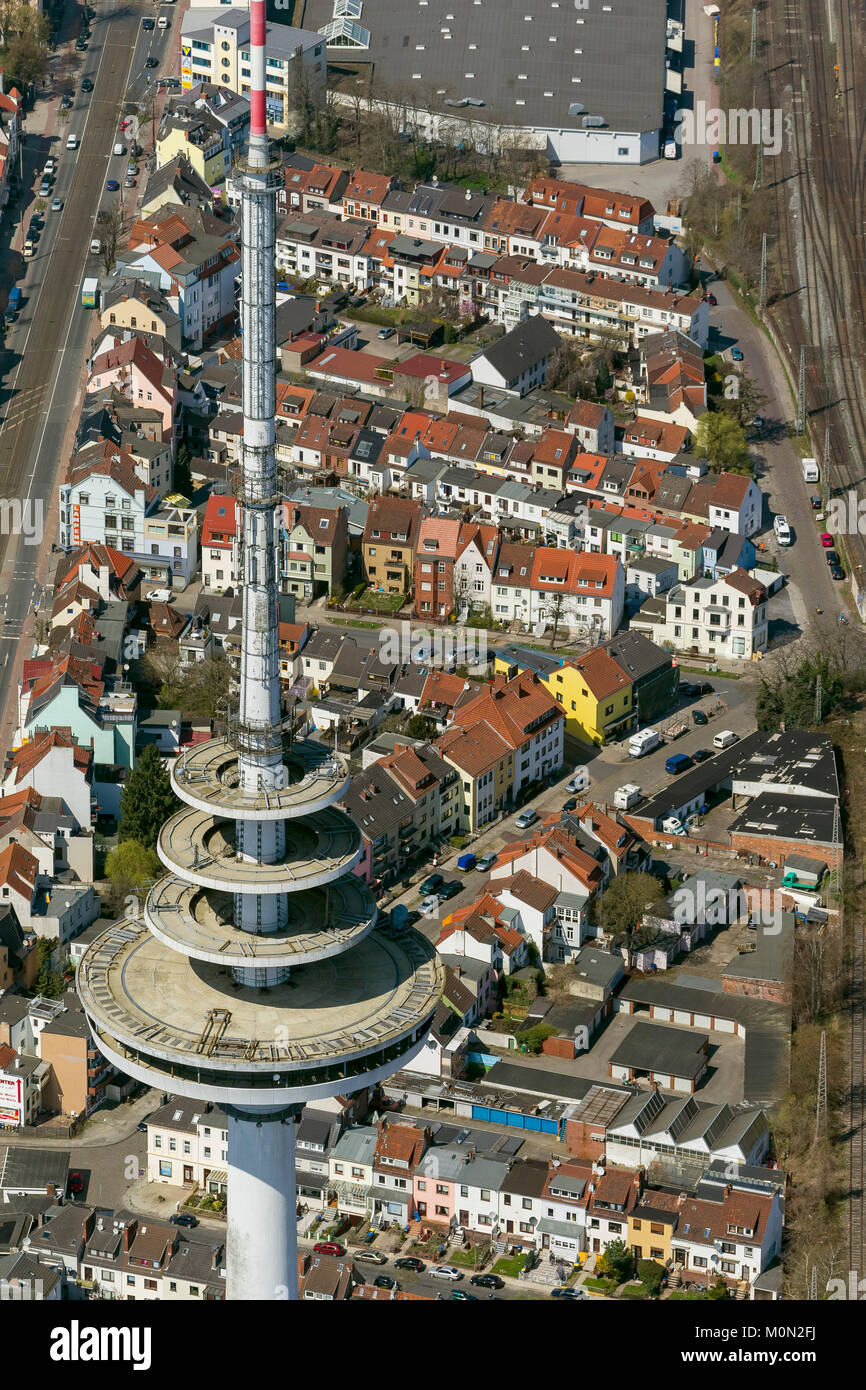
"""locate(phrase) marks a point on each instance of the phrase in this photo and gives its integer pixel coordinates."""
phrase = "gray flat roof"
(608, 58)
(653, 1047)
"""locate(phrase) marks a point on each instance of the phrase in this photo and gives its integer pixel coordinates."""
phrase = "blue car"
(283, 285)
(678, 763)
(112, 185)
(737, 354)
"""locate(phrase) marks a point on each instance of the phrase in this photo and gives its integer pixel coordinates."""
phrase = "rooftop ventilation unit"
(575, 108)
(593, 121)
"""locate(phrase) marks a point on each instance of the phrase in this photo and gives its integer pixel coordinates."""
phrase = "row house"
(631, 211)
(192, 260)
(320, 247)
(390, 543)
(404, 804)
(714, 617)
(315, 189)
(557, 873)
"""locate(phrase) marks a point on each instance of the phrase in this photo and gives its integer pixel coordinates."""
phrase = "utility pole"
(762, 297)
(753, 43)
(813, 1285)
(759, 168)
(818, 700)
(825, 479)
(837, 843)
(801, 393)
(821, 1106)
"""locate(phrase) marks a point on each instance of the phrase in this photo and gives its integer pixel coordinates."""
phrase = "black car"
(147, 24)
(183, 1218)
(566, 1293)
(703, 688)
(700, 755)
(431, 884)
(410, 1262)
(86, 85)
(699, 717)
(687, 689)
(152, 63)
(831, 557)
(142, 1126)
(570, 804)
(66, 103)
(384, 1281)
(487, 1281)
(816, 503)
(837, 572)
(450, 890)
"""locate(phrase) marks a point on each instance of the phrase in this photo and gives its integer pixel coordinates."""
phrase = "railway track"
(824, 183)
(821, 218)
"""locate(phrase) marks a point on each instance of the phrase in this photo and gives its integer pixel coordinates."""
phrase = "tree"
(740, 397)
(129, 868)
(718, 1290)
(535, 1038)
(720, 440)
(651, 1274)
(111, 223)
(147, 799)
(553, 609)
(620, 909)
(616, 1261)
(25, 61)
(182, 475)
(49, 982)
(787, 697)
(419, 726)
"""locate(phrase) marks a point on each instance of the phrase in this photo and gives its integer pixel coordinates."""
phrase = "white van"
(119, 147)
(725, 739)
(72, 142)
(672, 825)
(810, 470)
(627, 796)
(644, 742)
(162, 22)
(782, 530)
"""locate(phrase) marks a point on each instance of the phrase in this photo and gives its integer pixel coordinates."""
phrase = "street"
(42, 356)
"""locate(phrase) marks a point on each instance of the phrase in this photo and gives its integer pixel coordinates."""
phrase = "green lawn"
(379, 603)
(683, 1294)
(509, 1265)
(464, 1259)
(600, 1285)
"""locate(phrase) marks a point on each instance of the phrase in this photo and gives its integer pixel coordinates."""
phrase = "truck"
(627, 796)
(89, 292)
(644, 742)
(811, 473)
(675, 730)
(15, 299)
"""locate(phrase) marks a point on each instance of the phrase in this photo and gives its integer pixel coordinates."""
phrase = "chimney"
(479, 398)
(214, 1256)
(129, 1234)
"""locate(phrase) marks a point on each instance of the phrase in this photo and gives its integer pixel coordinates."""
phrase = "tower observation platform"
(257, 975)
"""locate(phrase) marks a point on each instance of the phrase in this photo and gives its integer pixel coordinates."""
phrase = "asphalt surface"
(42, 355)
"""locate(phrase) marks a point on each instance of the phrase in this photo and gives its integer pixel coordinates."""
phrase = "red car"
(329, 1247)
(826, 540)
(76, 1182)
(711, 299)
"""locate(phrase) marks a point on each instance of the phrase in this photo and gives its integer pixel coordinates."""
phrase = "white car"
(56, 204)
(159, 596)
(446, 1272)
(428, 905)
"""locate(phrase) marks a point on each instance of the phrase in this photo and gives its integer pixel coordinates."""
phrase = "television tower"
(257, 978)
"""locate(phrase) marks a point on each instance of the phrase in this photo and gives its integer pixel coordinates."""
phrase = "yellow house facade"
(593, 690)
(649, 1233)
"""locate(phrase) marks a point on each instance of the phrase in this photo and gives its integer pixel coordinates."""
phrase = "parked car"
(711, 299)
(837, 572)
(526, 818)
(410, 1262)
(815, 503)
(142, 1126)
(183, 1218)
(431, 884)
(371, 1257)
(567, 1293)
(76, 1181)
(129, 181)
(147, 24)
(86, 84)
(66, 102)
(571, 804)
(698, 717)
(703, 688)
(451, 889)
(112, 185)
(487, 1281)
(700, 755)
(486, 862)
(461, 1296)
(329, 1247)
(677, 764)
(385, 333)
(826, 540)
(688, 689)
(428, 905)
(384, 1281)
(737, 354)
(831, 557)
(56, 204)
(446, 1272)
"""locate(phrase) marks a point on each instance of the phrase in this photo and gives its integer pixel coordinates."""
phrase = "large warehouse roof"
(521, 62)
